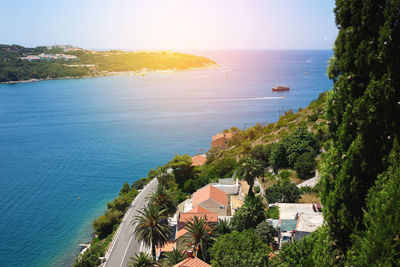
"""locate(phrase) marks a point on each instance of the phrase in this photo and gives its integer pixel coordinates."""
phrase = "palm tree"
(200, 236)
(163, 198)
(224, 227)
(152, 227)
(174, 257)
(250, 168)
(141, 259)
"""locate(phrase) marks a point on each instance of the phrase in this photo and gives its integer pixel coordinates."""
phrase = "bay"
(67, 146)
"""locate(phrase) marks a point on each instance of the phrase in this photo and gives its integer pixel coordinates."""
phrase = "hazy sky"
(170, 24)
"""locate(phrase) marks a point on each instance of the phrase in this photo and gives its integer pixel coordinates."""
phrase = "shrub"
(239, 249)
(286, 192)
(266, 233)
(249, 215)
(104, 224)
(272, 212)
(257, 189)
(305, 165)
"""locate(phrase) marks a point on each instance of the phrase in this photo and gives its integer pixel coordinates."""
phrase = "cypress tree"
(363, 110)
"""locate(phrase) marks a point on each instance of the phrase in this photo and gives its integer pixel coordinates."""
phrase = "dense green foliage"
(239, 249)
(266, 233)
(362, 110)
(105, 224)
(379, 244)
(272, 212)
(14, 69)
(305, 165)
(250, 214)
(285, 153)
(282, 192)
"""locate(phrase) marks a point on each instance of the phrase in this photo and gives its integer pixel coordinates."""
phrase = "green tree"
(266, 233)
(183, 169)
(379, 244)
(125, 189)
(250, 214)
(262, 153)
(305, 165)
(362, 110)
(200, 235)
(152, 227)
(141, 259)
(239, 249)
(104, 225)
(282, 192)
(250, 169)
(164, 199)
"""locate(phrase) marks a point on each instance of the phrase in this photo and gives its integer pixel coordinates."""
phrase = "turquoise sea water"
(83, 138)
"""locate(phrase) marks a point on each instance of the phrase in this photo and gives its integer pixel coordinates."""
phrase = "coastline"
(140, 72)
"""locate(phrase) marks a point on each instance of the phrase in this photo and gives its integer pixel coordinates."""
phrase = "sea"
(67, 146)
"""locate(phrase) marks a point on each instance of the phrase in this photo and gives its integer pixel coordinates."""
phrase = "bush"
(266, 233)
(249, 215)
(286, 192)
(104, 225)
(305, 165)
(239, 249)
(262, 153)
(272, 212)
(313, 117)
(256, 189)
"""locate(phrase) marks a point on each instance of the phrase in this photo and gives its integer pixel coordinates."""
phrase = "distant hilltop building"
(220, 140)
(48, 57)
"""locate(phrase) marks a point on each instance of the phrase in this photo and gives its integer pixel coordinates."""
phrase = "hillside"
(19, 63)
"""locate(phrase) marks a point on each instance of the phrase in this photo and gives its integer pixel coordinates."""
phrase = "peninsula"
(18, 63)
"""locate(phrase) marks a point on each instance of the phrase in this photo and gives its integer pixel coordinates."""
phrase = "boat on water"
(280, 88)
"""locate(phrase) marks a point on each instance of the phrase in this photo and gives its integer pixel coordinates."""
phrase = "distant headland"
(23, 64)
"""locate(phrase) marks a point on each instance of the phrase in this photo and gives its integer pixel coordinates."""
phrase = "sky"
(170, 24)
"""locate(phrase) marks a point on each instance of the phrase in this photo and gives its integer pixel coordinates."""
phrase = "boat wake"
(238, 99)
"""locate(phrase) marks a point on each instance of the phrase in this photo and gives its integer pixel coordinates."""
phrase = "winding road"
(124, 244)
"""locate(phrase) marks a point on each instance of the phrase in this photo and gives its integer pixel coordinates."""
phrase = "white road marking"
(126, 250)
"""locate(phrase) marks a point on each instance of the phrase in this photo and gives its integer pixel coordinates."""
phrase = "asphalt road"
(125, 244)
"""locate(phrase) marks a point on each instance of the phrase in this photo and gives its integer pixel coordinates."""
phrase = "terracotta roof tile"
(198, 160)
(199, 209)
(180, 233)
(209, 192)
(208, 216)
(168, 247)
(192, 262)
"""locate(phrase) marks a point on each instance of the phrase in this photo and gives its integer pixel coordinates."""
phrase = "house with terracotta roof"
(199, 160)
(211, 199)
(192, 262)
(220, 140)
(185, 217)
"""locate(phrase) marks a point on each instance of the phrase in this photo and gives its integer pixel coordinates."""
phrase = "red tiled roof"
(198, 160)
(168, 247)
(199, 209)
(192, 262)
(208, 216)
(209, 192)
(181, 233)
